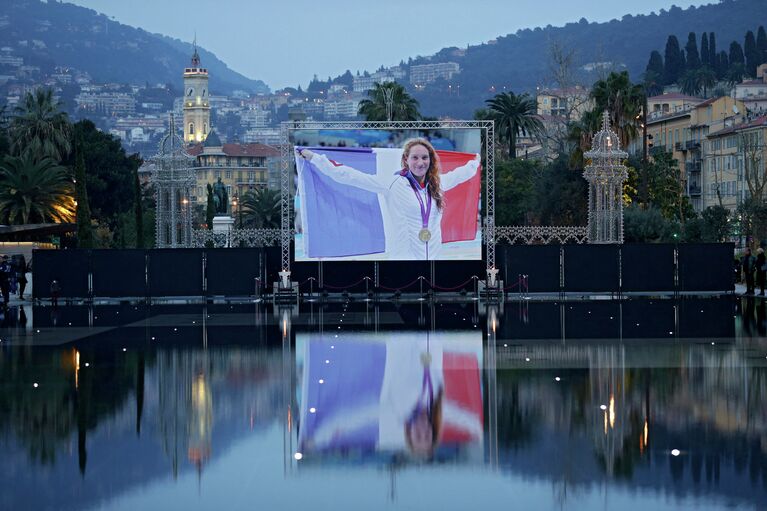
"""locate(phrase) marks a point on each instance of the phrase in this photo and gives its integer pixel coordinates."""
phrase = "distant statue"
(220, 198)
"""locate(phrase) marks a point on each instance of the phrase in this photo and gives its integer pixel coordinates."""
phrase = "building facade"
(683, 131)
(426, 73)
(241, 167)
(735, 164)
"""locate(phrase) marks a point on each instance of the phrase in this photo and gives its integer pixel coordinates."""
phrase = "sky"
(285, 43)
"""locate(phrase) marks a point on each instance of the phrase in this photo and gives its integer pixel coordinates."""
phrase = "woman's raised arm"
(343, 174)
(460, 174)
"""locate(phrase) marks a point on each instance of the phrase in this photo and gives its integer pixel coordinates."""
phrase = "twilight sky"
(287, 42)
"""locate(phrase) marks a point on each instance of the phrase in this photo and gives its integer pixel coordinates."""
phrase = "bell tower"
(196, 101)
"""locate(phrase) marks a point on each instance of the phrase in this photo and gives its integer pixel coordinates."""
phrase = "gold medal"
(424, 235)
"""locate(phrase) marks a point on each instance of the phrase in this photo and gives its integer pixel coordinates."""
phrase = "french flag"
(340, 220)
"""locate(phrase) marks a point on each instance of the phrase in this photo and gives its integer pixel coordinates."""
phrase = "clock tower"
(196, 101)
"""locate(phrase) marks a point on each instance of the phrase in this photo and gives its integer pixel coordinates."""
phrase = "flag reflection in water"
(415, 394)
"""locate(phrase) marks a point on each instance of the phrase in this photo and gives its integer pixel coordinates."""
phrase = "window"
(251, 175)
(218, 174)
(191, 128)
(205, 128)
(229, 174)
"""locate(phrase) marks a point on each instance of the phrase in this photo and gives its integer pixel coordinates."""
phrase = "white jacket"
(400, 208)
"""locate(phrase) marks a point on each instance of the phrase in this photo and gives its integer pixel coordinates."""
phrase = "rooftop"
(673, 96)
(760, 121)
(248, 150)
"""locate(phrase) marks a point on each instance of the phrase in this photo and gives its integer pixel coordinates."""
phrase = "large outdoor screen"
(387, 194)
(411, 395)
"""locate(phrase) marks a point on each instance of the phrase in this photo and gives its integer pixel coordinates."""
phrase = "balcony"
(692, 165)
(694, 190)
(692, 144)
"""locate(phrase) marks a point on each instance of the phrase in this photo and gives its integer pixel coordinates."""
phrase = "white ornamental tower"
(606, 174)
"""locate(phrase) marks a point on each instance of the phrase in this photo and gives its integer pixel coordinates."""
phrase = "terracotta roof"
(752, 82)
(253, 150)
(709, 101)
(755, 123)
(673, 96)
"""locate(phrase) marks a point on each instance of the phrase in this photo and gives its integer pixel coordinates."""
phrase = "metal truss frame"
(236, 238)
(541, 234)
(488, 165)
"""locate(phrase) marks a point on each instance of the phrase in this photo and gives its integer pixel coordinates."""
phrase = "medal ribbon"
(425, 210)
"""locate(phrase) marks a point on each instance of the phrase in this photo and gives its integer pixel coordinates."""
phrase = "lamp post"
(236, 207)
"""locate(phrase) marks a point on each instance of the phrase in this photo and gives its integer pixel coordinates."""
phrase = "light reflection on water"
(578, 407)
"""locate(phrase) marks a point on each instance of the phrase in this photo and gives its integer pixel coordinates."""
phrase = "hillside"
(59, 34)
(521, 61)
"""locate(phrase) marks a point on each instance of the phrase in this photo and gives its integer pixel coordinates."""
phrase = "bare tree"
(570, 96)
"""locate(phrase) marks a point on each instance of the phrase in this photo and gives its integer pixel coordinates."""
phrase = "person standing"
(21, 276)
(748, 262)
(5, 281)
(761, 269)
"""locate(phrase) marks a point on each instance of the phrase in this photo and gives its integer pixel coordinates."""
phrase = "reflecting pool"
(598, 404)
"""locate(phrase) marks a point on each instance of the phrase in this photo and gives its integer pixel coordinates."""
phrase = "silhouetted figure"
(761, 269)
(5, 279)
(748, 263)
(55, 291)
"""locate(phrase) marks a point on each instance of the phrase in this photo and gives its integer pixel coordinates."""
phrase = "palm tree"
(706, 79)
(35, 191)
(735, 73)
(262, 209)
(40, 127)
(652, 83)
(515, 115)
(580, 134)
(389, 102)
(623, 100)
(690, 83)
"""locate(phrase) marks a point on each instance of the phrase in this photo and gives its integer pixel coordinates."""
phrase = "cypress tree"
(673, 61)
(722, 65)
(655, 66)
(138, 212)
(751, 54)
(691, 51)
(705, 57)
(84, 228)
(736, 54)
(712, 49)
(761, 45)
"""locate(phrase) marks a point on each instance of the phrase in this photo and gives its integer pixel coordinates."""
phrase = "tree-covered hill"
(522, 61)
(48, 34)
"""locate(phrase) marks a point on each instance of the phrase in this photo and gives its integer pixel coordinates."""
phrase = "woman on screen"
(413, 196)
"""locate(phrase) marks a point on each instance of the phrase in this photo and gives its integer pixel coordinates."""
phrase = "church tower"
(196, 101)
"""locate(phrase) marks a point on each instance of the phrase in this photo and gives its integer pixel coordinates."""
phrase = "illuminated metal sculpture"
(173, 178)
(606, 174)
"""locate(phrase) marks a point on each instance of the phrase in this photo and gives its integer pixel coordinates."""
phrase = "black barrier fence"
(703, 267)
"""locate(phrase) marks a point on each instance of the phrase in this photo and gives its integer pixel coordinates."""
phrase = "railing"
(540, 234)
(504, 234)
(692, 144)
(235, 238)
